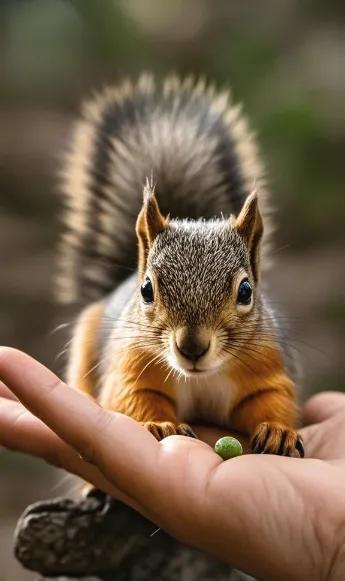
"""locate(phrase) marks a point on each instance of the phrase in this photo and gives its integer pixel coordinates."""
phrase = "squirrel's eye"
(147, 291)
(244, 294)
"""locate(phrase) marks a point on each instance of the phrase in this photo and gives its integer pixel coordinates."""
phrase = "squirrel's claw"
(162, 430)
(300, 446)
(275, 438)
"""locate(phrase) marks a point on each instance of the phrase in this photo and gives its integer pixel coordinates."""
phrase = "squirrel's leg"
(84, 348)
(268, 416)
(129, 390)
(154, 409)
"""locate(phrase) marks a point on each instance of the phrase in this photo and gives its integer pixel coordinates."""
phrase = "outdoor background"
(284, 59)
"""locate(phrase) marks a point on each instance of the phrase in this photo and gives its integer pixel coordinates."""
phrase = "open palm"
(273, 517)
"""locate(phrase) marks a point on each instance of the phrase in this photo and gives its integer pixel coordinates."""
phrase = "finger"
(123, 450)
(21, 431)
(322, 406)
(5, 392)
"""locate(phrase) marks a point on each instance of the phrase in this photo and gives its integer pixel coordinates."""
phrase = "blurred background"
(284, 59)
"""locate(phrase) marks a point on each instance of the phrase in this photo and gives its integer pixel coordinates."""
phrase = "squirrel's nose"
(192, 346)
(193, 352)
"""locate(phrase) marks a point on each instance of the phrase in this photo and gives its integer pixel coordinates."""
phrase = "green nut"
(228, 447)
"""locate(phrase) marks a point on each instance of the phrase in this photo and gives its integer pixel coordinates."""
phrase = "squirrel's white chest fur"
(209, 398)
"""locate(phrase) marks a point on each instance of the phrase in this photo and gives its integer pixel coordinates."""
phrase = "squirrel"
(164, 242)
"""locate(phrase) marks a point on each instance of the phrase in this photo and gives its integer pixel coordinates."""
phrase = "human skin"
(274, 517)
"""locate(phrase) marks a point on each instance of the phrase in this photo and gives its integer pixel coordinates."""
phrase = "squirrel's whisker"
(147, 365)
(94, 367)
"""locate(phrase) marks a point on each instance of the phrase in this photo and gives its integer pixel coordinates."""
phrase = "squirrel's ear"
(249, 226)
(150, 223)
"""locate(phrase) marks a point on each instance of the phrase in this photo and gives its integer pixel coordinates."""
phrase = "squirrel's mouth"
(197, 372)
(192, 372)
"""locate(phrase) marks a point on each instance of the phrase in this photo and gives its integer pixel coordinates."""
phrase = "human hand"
(273, 517)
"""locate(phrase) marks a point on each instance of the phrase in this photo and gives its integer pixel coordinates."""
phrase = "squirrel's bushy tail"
(193, 142)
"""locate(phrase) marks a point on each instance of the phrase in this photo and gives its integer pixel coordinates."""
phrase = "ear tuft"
(149, 189)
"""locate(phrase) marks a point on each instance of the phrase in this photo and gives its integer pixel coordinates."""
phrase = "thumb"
(322, 406)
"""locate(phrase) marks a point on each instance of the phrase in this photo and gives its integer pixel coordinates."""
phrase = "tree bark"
(96, 538)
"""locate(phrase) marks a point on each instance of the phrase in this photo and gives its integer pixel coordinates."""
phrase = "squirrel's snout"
(191, 343)
(192, 351)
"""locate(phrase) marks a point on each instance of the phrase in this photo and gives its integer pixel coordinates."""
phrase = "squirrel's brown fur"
(192, 350)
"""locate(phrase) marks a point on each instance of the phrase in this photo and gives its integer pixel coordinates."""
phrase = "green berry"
(228, 447)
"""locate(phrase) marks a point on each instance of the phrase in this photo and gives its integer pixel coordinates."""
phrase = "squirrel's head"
(199, 284)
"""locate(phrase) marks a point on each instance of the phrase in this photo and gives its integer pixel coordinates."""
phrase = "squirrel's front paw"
(275, 438)
(162, 430)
